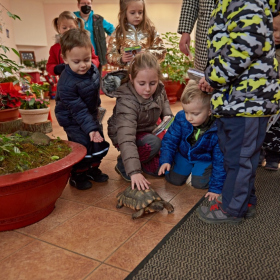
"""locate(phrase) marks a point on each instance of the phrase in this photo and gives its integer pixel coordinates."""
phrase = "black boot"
(96, 175)
(79, 180)
(120, 169)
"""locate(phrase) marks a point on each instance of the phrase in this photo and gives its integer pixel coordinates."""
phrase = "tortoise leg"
(120, 204)
(138, 214)
(168, 206)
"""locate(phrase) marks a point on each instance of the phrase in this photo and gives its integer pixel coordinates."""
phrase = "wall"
(164, 16)
(7, 23)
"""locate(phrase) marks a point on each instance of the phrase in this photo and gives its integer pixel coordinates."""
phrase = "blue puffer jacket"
(205, 149)
(78, 99)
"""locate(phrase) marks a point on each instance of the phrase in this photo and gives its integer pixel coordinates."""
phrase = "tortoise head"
(155, 206)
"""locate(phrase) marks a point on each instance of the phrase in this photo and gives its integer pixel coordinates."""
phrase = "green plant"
(34, 103)
(17, 153)
(42, 64)
(176, 64)
(9, 95)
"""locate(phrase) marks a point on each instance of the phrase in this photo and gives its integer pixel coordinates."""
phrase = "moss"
(16, 155)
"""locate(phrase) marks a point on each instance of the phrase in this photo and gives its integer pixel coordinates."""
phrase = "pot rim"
(78, 152)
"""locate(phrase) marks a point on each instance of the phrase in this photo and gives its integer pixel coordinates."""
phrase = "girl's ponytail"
(80, 23)
(55, 24)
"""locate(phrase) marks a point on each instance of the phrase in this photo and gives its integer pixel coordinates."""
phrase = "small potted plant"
(34, 108)
(9, 99)
(175, 65)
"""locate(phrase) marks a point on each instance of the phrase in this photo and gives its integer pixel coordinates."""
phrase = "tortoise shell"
(136, 199)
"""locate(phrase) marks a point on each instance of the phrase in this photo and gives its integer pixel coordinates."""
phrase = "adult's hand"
(184, 43)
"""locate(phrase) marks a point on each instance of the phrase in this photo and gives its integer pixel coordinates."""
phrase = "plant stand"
(10, 126)
(44, 127)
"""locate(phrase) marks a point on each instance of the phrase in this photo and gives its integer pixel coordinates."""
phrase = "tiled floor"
(86, 237)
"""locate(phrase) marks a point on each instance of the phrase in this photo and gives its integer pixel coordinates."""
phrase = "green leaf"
(16, 150)
(54, 157)
(15, 51)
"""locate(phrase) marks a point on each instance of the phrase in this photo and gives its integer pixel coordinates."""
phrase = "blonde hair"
(192, 92)
(140, 62)
(74, 38)
(146, 26)
(67, 15)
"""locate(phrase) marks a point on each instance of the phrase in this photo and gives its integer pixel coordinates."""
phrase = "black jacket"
(78, 99)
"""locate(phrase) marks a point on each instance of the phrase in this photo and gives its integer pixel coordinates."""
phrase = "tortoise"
(146, 201)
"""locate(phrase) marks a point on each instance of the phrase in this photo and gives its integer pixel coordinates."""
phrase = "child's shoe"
(96, 175)
(251, 211)
(80, 181)
(273, 166)
(120, 169)
(215, 215)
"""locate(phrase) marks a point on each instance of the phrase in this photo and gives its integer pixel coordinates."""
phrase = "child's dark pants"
(95, 151)
(182, 168)
(240, 141)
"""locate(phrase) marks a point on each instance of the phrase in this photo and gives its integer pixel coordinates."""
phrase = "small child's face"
(276, 30)
(196, 112)
(79, 59)
(134, 12)
(146, 82)
(65, 25)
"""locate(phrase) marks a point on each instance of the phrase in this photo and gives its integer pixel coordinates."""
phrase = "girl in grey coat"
(141, 101)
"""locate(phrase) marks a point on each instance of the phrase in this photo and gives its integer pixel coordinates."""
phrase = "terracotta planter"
(29, 196)
(181, 89)
(9, 114)
(32, 116)
(171, 90)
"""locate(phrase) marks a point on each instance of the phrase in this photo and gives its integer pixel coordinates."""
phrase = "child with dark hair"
(77, 103)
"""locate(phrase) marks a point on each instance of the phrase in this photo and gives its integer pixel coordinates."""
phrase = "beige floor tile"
(108, 167)
(182, 203)
(95, 232)
(44, 261)
(11, 241)
(91, 196)
(139, 245)
(107, 272)
(64, 210)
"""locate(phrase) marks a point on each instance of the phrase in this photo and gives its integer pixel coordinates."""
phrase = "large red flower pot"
(9, 114)
(171, 89)
(30, 196)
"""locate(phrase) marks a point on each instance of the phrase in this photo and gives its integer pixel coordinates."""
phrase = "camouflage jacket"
(242, 67)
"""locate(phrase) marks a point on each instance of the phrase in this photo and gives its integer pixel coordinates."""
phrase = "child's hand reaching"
(163, 168)
(95, 137)
(127, 56)
(140, 181)
(204, 86)
(212, 196)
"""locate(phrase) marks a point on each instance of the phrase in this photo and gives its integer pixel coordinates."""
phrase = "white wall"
(7, 23)
(31, 30)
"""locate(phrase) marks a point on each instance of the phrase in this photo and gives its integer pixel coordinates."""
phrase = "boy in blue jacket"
(76, 109)
(191, 146)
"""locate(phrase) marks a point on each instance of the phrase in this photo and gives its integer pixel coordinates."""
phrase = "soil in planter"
(17, 154)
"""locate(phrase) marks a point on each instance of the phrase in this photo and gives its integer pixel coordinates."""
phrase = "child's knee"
(175, 178)
(199, 182)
